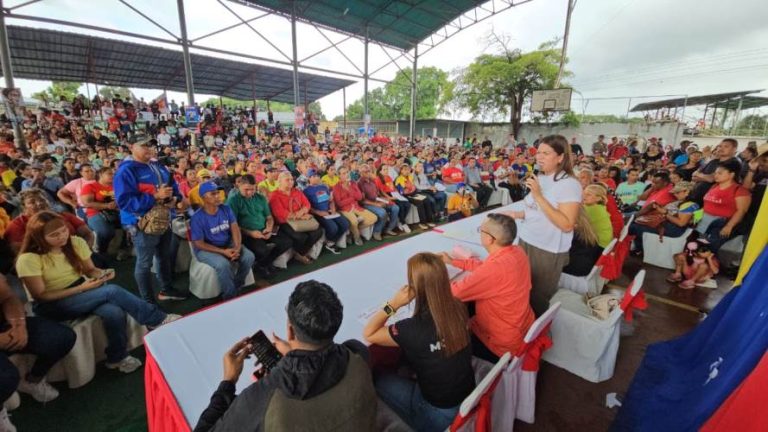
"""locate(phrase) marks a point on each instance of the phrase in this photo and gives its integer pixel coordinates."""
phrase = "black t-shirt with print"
(444, 381)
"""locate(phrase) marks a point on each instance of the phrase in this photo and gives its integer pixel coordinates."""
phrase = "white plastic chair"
(467, 415)
(660, 252)
(518, 386)
(591, 283)
(203, 282)
(583, 344)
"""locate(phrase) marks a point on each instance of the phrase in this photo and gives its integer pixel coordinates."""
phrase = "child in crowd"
(461, 204)
(696, 264)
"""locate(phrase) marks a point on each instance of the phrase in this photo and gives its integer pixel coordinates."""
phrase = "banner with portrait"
(13, 104)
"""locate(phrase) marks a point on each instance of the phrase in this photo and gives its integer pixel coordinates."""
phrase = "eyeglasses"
(481, 230)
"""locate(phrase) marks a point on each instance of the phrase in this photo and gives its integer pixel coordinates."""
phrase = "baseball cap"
(312, 172)
(681, 186)
(208, 186)
(203, 173)
(763, 149)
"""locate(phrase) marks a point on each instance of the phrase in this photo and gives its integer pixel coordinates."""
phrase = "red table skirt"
(163, 412)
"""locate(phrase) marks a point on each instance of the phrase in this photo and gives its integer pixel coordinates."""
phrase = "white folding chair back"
(625, 230)
(518, 386)
(471, 401)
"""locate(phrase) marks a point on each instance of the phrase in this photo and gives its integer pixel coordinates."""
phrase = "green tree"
(501, 83)
(109, 92)
(753, 122)
(313, 107)
(56, 90)
(393, 101)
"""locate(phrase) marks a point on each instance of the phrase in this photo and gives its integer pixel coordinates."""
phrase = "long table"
(466, 229)
(184, 358)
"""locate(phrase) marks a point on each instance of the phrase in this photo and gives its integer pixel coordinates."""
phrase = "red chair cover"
(482, 412)
(614, 261)
(629, 303)
(532, 351)
(163, 412)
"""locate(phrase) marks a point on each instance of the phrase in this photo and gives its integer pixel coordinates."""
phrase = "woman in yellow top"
(57, 270)
(594, 198)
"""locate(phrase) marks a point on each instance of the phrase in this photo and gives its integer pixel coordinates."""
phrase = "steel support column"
(187, 59)
(295, 58)
(344, 103)
(5, 59)
(414, 79)
(365, 83)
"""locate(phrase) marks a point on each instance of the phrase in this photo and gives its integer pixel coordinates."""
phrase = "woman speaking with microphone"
(547, 216)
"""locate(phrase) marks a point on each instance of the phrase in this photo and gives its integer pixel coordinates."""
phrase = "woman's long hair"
(428, 278)
(43, 223)
(560, 145)
(584, 228)
(599, 191)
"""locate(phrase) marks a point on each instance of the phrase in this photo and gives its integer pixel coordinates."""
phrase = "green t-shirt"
(601, 222)
(629, 193)
(251, 213)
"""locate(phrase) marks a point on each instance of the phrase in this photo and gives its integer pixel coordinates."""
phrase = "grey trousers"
(546, 268)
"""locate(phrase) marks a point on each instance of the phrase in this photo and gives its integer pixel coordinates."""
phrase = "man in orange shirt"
(500, 286)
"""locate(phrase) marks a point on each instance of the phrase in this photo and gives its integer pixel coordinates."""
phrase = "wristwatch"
(388, 309)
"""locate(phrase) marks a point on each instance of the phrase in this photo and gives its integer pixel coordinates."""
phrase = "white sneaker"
(126, 365)
(41, 391)
(405, 228)
(13, 402)
(5, 422)
(170, 318)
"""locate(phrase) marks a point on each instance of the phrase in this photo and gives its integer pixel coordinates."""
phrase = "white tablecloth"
(466, 229)
(189, 351)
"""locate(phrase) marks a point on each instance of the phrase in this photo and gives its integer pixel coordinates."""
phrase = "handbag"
(601, 306)
(653, 220)
(157, 220)
(302, 225)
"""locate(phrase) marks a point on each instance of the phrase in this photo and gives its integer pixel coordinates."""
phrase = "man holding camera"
(318, 385)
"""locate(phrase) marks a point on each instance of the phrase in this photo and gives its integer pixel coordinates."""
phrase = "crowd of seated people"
(253, 191)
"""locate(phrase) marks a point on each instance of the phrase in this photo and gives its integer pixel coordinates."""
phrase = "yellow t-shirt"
(268, 186)
(8, 177)
(56, 271)
(454, 203)
(330, 181)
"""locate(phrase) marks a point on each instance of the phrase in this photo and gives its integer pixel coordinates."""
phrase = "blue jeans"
(404, 397)
(49, 341)
(393, 211)
(147, 247)
(105, 232)
(110, 303)
(231, 274)
(381, 217)
(403, 207)
(334, 228)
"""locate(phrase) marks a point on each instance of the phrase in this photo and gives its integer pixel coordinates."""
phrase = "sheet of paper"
(332, 216)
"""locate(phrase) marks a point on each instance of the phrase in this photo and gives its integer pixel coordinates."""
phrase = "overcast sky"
(618, 48)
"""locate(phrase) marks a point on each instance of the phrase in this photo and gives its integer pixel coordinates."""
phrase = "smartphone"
(266, 353)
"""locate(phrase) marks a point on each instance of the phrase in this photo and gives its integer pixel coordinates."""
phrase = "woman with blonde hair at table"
(547, 216)
(594, 200)
(435, 343)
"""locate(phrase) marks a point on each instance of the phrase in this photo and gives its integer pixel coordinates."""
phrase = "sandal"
(688, 284)
(674, 278)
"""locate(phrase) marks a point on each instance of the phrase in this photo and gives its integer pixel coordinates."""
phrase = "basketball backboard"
(551, 100)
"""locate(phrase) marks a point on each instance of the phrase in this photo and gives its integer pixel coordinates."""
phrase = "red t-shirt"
(101, 194)
(722, 202)
(662, 197)
(18, 226)
(386, 186)
(453, 175)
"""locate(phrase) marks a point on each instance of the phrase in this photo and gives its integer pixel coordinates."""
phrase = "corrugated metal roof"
(397, 23)
(731, 100)
(62, 56)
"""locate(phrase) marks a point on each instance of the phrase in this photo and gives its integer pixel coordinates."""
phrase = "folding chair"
(475, 412)
(660, 251)
(585, 345)
(591, 283)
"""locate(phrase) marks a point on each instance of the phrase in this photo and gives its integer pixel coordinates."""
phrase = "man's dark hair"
(662, 175)
(732, 142)
(249, 178)
(508, 227)
(315, 312)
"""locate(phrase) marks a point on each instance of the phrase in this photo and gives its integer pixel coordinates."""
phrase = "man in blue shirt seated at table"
(216, 237)
(317, 385)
